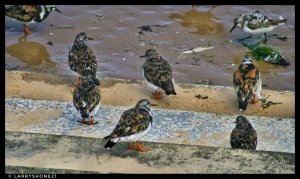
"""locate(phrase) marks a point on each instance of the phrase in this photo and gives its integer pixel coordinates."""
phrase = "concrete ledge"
(36, 170)
(169, 126)
(88, 154)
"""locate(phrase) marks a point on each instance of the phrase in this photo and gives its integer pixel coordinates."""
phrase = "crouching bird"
(243, 136)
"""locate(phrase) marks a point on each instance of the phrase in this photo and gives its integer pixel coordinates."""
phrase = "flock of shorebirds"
(135, 122)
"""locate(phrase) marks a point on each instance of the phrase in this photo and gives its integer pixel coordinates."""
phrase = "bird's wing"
(158, 72)
(83, 60)
(246, 80)
(86, 101)
(132, 121)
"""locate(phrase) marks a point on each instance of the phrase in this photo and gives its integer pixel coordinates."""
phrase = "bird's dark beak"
(153, 104)
(57, 10)
(143, 56)
(234, 122)
(234, 26)
(90, 38)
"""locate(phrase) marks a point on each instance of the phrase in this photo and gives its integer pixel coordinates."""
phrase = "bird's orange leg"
(254, 99)
(83, 121)
(76, 83)
(157, 95)
(140, 147)
(73, 86)
(26, 30)
(131, 147)
(92, 122)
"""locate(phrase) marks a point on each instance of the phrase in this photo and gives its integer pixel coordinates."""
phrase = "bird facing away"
(133, 125)
(247, 83)
(243, 136)
(158, 74)
(256, 23)
(29, 13)
(86, 99)
(82, 59)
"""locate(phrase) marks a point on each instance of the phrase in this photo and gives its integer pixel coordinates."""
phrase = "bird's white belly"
(75, 73)
(94, 112)
(260, 30)
(134, 137)
(152, 86)
(258, 90)
(30, 22)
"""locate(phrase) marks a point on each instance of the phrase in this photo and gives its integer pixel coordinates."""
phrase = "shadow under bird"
(243, 136)
(158, 74)
(30, 13)
(82, 59)
(256, 23)
(86, 99)
(133, 125)
(247, 82)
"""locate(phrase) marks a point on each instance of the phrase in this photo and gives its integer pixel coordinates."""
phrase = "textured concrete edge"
(185, 158)
(183, 127)
(10, 169)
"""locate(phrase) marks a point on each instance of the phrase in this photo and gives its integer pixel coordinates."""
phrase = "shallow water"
(118, 44)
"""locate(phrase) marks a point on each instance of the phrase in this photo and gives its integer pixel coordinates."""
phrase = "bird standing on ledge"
(82, 59)
(158, 74)
(86, 99)
(133, 125)
(247, 83)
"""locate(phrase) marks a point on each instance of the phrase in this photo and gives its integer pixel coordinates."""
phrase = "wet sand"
(118, 44)
(42, 86)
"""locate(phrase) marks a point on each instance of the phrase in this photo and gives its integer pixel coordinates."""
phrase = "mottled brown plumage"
(247, 82)
(133, 124)
(158, 72)
(30, 13)
(86, 99)
(82, 59)
(243, 136)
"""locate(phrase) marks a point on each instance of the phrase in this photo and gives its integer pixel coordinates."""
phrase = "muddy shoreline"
(118, 44)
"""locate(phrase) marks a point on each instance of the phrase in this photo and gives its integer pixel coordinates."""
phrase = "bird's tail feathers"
(168, 87)
(109, 144)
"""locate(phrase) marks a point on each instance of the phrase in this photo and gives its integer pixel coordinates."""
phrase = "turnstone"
(133, 125)
(247, 83)
(86, 99)
(158, 74)
(256, 23)
(243, 136)
(29, 13)
(82, 59)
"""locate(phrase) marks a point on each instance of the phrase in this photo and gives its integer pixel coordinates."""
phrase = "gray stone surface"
(88, 154)
(15, 171)
(169, 126)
